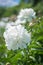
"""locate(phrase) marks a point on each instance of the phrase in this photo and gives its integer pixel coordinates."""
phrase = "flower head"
(26, 15)
(16, 37)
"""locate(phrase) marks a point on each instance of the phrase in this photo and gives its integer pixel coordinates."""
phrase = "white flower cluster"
(16, 37)
(26, 15)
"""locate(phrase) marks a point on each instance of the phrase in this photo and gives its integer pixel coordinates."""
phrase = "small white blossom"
(16, 37)
(31, 24)
(2, 24)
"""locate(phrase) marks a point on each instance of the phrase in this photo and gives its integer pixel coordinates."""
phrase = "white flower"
(16, 37)
(26, 15)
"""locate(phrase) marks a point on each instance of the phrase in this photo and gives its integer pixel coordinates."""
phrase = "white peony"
(16, 37)
(26, 15)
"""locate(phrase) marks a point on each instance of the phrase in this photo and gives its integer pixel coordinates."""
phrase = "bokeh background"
(12, 7)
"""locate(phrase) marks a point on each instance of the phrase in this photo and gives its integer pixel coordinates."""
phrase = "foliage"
(2, 10)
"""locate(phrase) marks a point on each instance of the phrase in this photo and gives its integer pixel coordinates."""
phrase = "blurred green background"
(37, 5)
